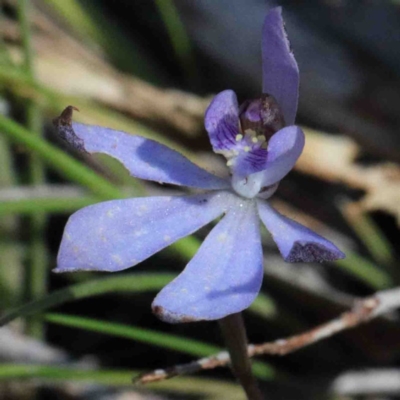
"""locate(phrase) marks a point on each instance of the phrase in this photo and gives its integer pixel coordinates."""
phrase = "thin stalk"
(10, 282)
(365, 270)
(31, 206)
(88, 20)
(234, 333)
(36, 272)
(369, 233)
(179, 39)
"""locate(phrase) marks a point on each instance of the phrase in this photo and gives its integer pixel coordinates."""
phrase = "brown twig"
(363, 310)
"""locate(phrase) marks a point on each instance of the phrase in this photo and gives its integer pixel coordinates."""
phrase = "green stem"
(234, 332)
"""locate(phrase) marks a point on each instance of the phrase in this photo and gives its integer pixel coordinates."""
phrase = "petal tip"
(59, 270)
(171, 317)
(221, 120)
(280, 69)
(63, 124)
(275, 10)
(313, 252)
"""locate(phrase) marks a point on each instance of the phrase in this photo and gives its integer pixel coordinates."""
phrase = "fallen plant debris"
(333, 159)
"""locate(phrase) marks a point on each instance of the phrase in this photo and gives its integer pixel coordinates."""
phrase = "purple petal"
(145, 158)
(296, 242)
(280, 70)
(249, 163)
(222, 121)
(118, 234)
(284, 148)
(225, 275)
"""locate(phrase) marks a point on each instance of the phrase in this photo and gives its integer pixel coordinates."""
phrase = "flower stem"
(234, 333)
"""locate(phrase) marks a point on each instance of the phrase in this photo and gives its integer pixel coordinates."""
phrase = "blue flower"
(261, 146)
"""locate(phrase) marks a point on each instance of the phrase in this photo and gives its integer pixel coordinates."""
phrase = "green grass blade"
(193, 386)
(10, 245)
(172, 342)
(125, 283)
(23, 9)
(264, 306)
(47, 205)
(365, 270)
(35, 284)
(21, 371)
(179, 39)
(88, 20)
(161, 339)
(369, 233)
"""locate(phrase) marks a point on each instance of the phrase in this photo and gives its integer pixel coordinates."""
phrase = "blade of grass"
(10, 246)
(89, 21)
(36, 270)
(125, 283)
(365, 271)
(179, 39)
(264, 306)
(5, 58)
(46, 205)
(369, 233)
(161, 339)
(185, 385)
(29, 371)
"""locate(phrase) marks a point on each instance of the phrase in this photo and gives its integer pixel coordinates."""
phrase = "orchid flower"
(261, 146)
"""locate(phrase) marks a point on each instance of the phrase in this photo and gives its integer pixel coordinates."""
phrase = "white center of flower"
(251, 186)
